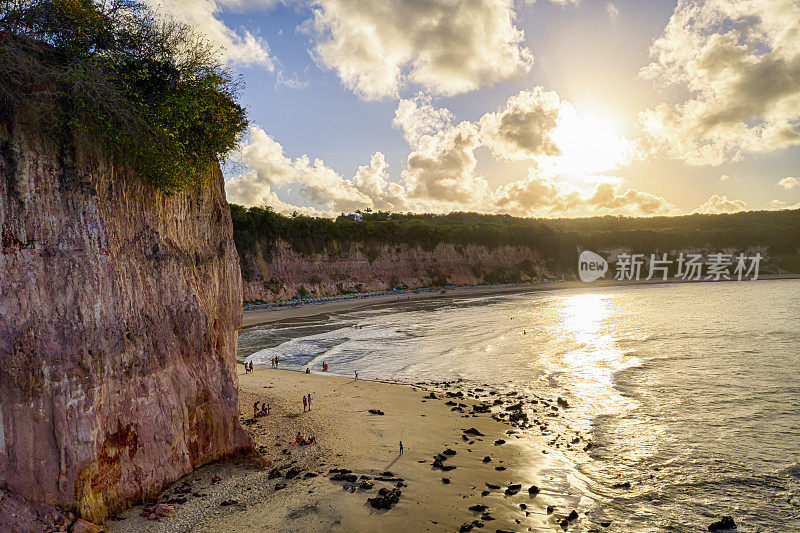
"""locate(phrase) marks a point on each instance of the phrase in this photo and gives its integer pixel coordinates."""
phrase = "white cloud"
(417, 117)
(724, 177)
(238, 47)
(740, 62)
(613, 12)
(441, 174)
(269, 167)
(789, 182)
(445, 46)
(780, 204)
(720, 204)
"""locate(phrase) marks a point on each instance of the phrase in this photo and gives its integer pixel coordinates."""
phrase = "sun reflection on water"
(589, 351)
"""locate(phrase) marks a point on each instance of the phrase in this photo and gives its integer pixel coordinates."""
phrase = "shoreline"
(260, 317)
(465, 464)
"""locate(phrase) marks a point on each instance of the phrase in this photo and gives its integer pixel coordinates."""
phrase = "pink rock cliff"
(119, 307)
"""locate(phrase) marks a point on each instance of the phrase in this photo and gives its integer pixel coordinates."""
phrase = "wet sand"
(304, 495)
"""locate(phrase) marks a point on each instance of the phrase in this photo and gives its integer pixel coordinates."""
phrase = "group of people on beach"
(274, 361)
(260, 411)
(248, 367)
(306, 402)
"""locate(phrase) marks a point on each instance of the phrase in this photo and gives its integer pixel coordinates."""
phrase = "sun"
(588, 145)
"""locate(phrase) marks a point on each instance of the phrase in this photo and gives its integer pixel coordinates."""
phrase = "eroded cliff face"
(119, 310)
(276, 270)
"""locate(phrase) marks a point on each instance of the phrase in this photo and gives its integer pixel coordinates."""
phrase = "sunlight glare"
(588, 145)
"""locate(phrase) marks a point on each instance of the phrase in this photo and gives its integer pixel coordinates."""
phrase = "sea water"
(689, 392)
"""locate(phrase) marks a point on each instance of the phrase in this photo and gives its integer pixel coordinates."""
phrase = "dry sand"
(349, 437)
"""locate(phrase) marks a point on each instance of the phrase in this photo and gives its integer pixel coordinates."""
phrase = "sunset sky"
(545, 108)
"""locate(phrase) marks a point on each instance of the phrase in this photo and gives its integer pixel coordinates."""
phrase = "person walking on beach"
(304, 404)
(324, 366)
(401, 447)
(356, 371)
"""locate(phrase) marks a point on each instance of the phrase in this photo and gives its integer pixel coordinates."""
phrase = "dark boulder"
(385, 499)
(724, 524)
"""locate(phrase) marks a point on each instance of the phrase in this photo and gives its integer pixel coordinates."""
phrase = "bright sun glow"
(588, 145)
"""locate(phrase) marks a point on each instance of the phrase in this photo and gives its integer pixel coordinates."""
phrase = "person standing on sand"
(309, 402)
(401, 447)
(255, 410)
(276, 361)
(356, 371)
(304, 404)
(324, 366)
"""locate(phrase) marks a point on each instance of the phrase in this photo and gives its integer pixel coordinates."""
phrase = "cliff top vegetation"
(557, 239)
(145, 88)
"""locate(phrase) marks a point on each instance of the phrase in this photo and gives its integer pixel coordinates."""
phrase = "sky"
(544, 108)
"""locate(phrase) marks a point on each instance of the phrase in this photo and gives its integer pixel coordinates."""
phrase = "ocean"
(690, 393)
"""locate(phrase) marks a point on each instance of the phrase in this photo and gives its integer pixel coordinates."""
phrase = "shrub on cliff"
(145, 88)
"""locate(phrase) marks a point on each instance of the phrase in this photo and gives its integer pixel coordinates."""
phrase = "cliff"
(119, 310)
(275, 270)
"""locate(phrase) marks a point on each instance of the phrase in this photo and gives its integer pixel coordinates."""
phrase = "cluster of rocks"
(509, 408)
(513, 409)
(439, 459)
(386, 498)
(157, 511)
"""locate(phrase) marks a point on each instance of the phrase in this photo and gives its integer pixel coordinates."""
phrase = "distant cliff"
(119, 310)
(275, 270)
(284, 257)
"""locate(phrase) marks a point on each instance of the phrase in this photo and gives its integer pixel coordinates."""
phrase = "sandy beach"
(266, 316)
(493, 466)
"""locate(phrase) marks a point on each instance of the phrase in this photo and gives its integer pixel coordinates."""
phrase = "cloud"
(442, 168)
(236, 47)
(631, 202)
(290, 82)
(523, 129)
(538, 195)
(780, 204)
(789, 182)
(447, 47)
(536, 125)
(417, 117)
(739, 60)
(613, 12)
(724, 177)
(269, 167)
(440, 174)
(720, 204)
